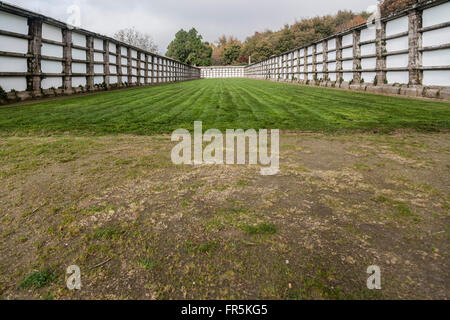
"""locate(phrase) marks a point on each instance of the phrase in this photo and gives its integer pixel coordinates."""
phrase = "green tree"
(231, 54)
(188, 47)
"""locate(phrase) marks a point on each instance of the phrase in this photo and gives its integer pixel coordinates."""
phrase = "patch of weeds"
(38, 279)
(207, 247)
(148, 264)
(262, 228)
(108, 233)
(243, 183)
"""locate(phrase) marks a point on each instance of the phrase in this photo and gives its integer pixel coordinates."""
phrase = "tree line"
(189, 47)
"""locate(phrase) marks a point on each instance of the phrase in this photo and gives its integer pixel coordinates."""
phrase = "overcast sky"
(212, 18)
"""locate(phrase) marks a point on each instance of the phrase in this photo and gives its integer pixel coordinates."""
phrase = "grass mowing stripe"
(221, 104)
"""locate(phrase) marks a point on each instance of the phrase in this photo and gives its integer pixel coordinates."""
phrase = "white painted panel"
(51, 66)
(302, 69)
(142, 65)
(142, 73)
(397, 77)
(124, 51)
(347, 40)
(332, 66)
(436, 15)
(134, 79)
(113, 69)
(347, 53)
(112, 59)
(52, 50)
(397, 61)
(347, 65)
(11, 44)
(134, 63)
(310, 50)
(348, 76)
(396, 26)
(302, 61)
(368, 77)
(124, 70)
(369, 63)
(112, 47)
(310, 76)
(309, 60)
(134, 54)
(310, 69)
(319, 68)
(78, 54)
(368, 34)
(124, 61)
(98, 57)
(13, 23)
(78, 68)
(52, 82)
(302, 52)
(98, 80)
(113, 80)
(319, 58)
(332, 55)
(13, 83)
(332, 44)
(134, 72)
(12, 64)
(319, 48)
(143, 56)
(78, 81)
(79, 39)
(436, 58)
(397, 44)
(332, 76)
(98, 68)
(51, 33)
(98, 44)
(368, 49)
(436, 37)
(436, 77)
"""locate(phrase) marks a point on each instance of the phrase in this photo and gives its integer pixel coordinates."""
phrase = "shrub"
(3, 95)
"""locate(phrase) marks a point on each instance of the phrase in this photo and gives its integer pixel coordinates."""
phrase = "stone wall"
(40, 56)
(406, 53)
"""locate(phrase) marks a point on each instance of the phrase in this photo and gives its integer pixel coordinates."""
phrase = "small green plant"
(362, 81)
(148, 263)
(351, 82)
(385, 81)
(263, 228)
(3, 95)
(375, 81)
(38, 279)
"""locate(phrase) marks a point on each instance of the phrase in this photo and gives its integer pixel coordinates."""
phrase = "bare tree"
(137, 39)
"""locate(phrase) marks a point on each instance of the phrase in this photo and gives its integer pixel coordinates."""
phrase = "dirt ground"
(140, 227)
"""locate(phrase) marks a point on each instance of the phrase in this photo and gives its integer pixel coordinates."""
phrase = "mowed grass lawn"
(222, 104)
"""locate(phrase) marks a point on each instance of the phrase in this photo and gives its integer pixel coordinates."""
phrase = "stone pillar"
(119, 66)
(415, 43)
(356, 56)
(146, 70)
(67, 64)
(339, 73)
(34, 61)
(106, 62)
(305, 64)
(90, 62)
(138, 65)
(381, 49)
(325, 59)
(153, 69)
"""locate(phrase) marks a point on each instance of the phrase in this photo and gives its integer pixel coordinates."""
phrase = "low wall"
(409, 50)
(40, 56)
(222, 72)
